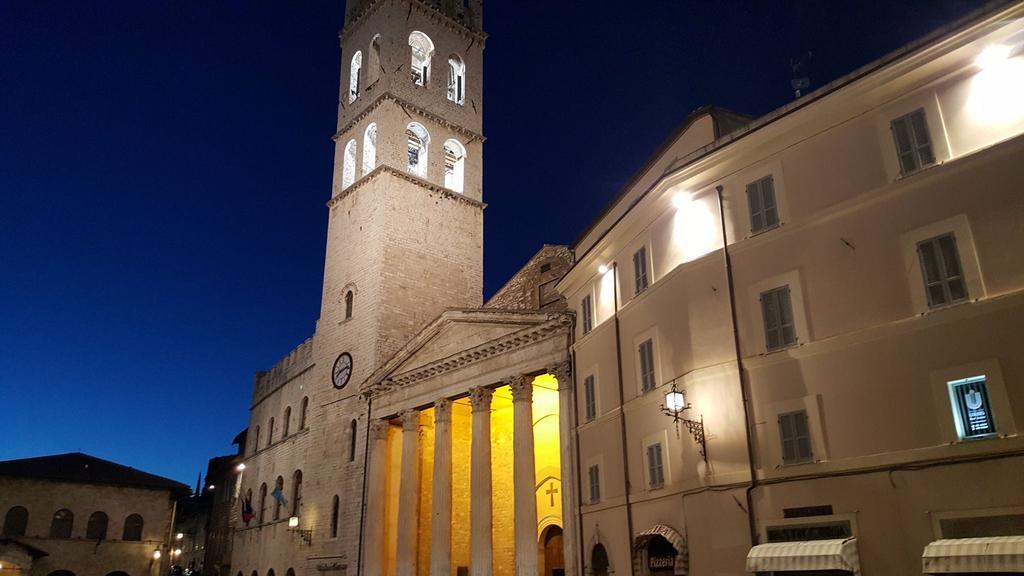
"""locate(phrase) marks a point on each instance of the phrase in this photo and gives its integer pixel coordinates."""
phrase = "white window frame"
(652, 364)
(348, 163)
(758, 187)
(354, 76)
(420, 64)
(594, 484)
(771, 445)
(456, 79)
(590, 398)
(960, 228)
(423, 155)
(756, 332)
(587, 314)
(799, 457)
(369, 148)
(942, 266)
(454, 169)
(782, 295)
(659, 439)
(641, 270)
(916, 146)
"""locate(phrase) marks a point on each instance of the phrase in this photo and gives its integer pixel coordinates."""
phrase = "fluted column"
(480, 556)
(567, 454)
(409, 496)
(524, 476)
(376, 495)
(441, 520)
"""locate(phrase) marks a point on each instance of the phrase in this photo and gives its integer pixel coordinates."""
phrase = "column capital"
(480, 398)
(442, 410)
(521, 387)
(562, 371)
(410, 420)
(379, 429)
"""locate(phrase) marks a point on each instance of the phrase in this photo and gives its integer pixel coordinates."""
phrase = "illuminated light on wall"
(993, 56)
(694, 228)
(602, 269)
(996, 94)
(605, 294)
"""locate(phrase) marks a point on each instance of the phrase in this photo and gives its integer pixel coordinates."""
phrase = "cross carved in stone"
(551, 491)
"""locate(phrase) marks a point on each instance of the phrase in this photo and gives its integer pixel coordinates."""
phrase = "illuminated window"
(133, 527)
(589, 398)
(796, 437)
(287, 421)
(913, 142)
(16, 521)
(655, 466)
(370, 148)
(456, 79)
(422, 49)
(764, 214)
(972, 410)
(335, 512)
(587, 313)
(418, 145)
(940, 266)
(640, 270)
(354, 72)
(454, 165)
(348, 165)
(647, 376)
(595, 484)
(777, 311)
(96, 529)
(62, 523)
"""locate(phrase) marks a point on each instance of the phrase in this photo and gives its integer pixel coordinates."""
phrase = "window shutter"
(756, 210)
(771, 213)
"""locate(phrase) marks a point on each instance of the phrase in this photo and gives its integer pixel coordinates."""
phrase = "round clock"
(342, 370)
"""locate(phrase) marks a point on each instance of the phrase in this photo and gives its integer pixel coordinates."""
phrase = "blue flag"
(278, 496)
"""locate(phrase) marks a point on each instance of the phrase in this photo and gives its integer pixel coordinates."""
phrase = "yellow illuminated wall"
(502, 533)
(547, 452)
(426, 472)
(462, 434)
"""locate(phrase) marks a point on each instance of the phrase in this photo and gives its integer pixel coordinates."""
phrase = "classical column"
(441, 520)
(376, 495)
(409, 496)
(524, 476)
(567, 454)
(480, 557)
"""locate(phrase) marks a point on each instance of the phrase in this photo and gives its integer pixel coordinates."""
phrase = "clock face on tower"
(342, 370)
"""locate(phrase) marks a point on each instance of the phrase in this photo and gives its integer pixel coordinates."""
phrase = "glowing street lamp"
(156, 554)
(240, 467)
(675, 404)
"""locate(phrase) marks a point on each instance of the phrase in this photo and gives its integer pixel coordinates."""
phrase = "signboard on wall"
(971, 407)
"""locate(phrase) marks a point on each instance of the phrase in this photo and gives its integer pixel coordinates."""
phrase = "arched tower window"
(278, 495)
(354, 71)
(132, 528)
(422, 51)
(373, 64)
(370, 148)
(349, 297)
(348, 166)
(419, 144)
(270, 432)
(335, 512)
(456, 79)
(302, 412)
(297, 493)
(287, 422)
(454, 166)
(263, 502)
(62, 523)
(96, 529)
(353, 428)
(256, 440)
(16, 521)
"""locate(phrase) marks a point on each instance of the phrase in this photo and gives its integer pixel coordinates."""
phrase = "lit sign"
(971, 407)
(661, 562)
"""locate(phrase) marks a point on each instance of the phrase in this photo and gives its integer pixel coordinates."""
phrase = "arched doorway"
(599, 560)
(660, 551)
(551, 548)
(661, 556)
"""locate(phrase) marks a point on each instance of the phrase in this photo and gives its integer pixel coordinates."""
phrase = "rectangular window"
(589, 398)
(913, 142)
(595, 484)
(777, 310)
(640, 269)
(940, 267)
(764, 214)
(647, 376)
(587, 314)
(655, 467)
(796, 437)
(971, 408)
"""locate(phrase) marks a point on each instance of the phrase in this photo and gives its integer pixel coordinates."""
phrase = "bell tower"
(405, 223)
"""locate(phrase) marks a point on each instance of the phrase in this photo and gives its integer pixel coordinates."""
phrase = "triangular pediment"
(458, 337)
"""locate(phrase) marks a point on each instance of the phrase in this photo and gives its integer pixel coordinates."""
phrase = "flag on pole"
(247, 514)
(279, 496)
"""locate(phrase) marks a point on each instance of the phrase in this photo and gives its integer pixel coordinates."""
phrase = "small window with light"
(972, 410)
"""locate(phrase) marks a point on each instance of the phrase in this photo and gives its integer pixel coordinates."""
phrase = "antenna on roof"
(800, 81)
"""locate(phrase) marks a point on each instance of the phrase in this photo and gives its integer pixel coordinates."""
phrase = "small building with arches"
(78, 515)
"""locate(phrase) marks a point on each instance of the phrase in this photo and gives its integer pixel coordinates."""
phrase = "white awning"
(808, 555)
(993, 554)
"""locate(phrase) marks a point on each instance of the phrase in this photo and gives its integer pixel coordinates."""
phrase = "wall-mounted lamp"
(240, 467)
(156, 554)
(675, 404)
(306, 535)
(179, 536)
(176, 552)
(211, 487)
(602, 269)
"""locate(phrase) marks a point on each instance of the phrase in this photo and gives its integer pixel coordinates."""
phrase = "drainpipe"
(751, 515)
(622, 408)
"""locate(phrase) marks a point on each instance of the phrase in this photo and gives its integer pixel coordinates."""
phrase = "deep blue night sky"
(164, 168)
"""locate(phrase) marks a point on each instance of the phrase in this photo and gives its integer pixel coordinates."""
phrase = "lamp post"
(674, 406)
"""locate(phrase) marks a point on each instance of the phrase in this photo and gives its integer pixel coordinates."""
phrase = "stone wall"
(533, 286)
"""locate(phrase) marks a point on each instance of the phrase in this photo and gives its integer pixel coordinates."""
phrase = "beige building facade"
(77, 515)
(836, 290)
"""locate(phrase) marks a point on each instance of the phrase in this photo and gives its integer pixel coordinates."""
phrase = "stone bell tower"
(405, 228)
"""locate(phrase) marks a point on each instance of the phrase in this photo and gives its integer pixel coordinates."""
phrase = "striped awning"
(992, 554)
(808, 555)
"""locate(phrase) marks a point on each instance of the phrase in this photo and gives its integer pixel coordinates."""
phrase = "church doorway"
(552, 558)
